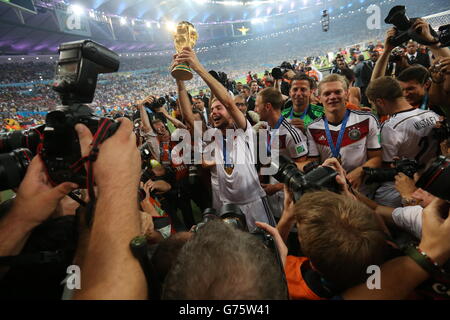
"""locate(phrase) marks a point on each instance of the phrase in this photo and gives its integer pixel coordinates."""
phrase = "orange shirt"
(298, 289)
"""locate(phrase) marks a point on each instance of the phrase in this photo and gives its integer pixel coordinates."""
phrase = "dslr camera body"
(79, 65)
(397, 16)
(315, 177)
(77, 71)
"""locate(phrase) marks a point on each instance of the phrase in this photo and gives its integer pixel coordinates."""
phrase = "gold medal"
(229, 169)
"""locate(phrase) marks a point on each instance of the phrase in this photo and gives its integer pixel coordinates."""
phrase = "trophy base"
(182, 72)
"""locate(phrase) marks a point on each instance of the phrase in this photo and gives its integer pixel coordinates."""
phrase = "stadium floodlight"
(171, 26)
(92, 14)
(123, 21)
(158, 25)
(148, 24)
(76, 9)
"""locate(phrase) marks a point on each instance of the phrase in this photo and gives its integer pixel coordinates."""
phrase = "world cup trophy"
(185, 36)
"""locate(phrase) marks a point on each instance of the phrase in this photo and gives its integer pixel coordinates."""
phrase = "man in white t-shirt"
(350, 136)
(406, 134)
(291, 142)
(233, 148)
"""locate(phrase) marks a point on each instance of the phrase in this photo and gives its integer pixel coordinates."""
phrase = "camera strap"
(99, 137)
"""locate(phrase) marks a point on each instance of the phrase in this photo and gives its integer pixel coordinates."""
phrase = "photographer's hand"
(341, 177)
(405, 185)
(422, 28)
(287, 219)
(36, 200)
(110, 271)
(435, 241)
(282, 248)
(388, 46)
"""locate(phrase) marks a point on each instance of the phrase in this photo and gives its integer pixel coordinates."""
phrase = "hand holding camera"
(124, 171)
(36, 198)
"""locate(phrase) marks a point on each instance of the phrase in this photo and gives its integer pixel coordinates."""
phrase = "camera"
(13, 167)
(29, 139)
(397, 16)
(436, 180)
(222, 77)
(396, 55)
(278, 72)
(156, 104)
(231, 214)
(299, 183)
(78, 67)
(407, 166)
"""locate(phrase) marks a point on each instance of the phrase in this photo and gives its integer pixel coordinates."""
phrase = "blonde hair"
(340, 236)
(333, 78)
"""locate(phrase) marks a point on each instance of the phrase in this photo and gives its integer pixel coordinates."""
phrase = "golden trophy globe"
(184, 36)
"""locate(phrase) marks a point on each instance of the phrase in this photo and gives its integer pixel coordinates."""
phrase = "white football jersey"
(407, 134)
(238, 182)
(361, 134)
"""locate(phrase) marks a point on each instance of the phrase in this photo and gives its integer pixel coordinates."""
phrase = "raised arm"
(177, 123)
(219, 91)
(382, 63)
(144, 116)
(185, 104)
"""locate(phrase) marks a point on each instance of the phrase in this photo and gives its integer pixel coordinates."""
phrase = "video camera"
(316, 178)
(397, 16)
(279, 72)
(378, 175)
(77, 71)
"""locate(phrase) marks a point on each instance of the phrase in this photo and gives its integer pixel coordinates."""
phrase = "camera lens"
(13, 167)
(10, 141)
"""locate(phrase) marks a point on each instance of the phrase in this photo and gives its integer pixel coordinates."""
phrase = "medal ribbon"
(424, 105)
(302, 116)
(335, 150)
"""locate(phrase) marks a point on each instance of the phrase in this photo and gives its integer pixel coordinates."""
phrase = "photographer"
(407, 133)
(416, 83)
(327, 221)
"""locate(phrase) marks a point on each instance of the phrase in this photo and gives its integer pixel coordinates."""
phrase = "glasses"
(240, 104)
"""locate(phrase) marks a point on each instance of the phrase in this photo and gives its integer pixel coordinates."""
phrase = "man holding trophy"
(234, 160)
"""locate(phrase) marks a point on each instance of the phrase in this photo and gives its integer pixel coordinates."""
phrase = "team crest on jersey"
(354, 134)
